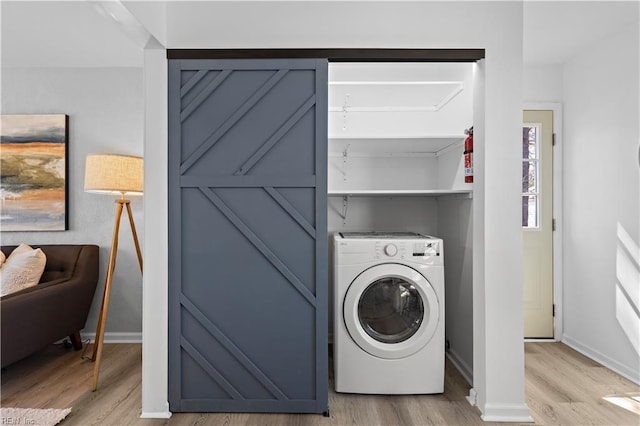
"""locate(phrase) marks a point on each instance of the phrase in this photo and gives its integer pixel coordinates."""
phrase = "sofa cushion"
(22, 269)
(61, 262)
(2, 258)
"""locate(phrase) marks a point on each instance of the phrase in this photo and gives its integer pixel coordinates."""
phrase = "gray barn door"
(248, 235)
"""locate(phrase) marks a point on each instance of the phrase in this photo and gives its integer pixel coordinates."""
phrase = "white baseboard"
(465, 369)
(164, 414)
(517, 413)
(625, 371)
(155, 415)
(472, 397)
(115, 337)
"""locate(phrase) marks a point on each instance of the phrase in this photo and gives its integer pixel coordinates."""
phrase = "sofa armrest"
(40, 315)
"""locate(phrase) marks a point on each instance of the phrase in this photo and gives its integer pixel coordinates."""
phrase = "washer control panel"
(385, 249)
(390, 250)
(426, 249)
(402, 249)
(357, 250)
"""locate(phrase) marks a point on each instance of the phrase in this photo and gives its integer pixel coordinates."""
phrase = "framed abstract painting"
(33, 172)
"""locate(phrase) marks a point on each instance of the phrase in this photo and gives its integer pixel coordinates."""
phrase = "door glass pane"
(530, 175)
(390, 310)
(530, 211)
(530, 142)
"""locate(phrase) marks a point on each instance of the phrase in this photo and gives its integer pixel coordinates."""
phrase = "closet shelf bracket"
(345, 208)
(345, 111)
(345, 159)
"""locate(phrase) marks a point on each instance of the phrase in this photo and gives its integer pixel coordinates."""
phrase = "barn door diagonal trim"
(204, 94)
(192, 82)
(270, 143)
(215, 136)
(292, 211)
(232, 348)
(210, 369)
(259, 244)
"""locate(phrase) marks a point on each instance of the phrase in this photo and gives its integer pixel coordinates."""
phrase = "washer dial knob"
(390, 250)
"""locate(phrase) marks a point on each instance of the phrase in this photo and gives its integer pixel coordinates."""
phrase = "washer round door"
(391, 311)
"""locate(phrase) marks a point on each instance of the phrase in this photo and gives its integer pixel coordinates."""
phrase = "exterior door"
(537, 222)
(248, 235)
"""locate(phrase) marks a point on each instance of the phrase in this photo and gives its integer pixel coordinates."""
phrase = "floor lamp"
(117, 175)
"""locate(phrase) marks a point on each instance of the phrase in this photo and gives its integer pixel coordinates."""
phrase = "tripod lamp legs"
(102, 320)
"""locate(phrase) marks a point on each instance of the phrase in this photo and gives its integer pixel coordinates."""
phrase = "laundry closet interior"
(395, 164)
(268, 158)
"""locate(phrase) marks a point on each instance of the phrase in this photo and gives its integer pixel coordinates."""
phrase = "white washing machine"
(388, 313)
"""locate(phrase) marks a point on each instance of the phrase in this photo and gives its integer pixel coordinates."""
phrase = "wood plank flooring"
(563, 387)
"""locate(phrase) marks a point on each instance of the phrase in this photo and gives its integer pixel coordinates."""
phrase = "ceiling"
(86, 34)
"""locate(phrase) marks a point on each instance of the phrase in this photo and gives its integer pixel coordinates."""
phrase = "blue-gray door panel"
(247, 229)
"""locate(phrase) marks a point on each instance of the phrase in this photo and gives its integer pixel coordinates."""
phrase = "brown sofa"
(55, 308)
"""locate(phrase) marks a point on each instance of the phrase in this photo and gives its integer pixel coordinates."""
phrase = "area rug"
(32, 416)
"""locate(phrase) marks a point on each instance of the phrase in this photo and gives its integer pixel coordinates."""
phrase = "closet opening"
(396, 143)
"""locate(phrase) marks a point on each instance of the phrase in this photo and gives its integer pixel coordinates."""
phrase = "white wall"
(495, 26)
(455, 227)
(66, 34)
(602, 202)
(105, 108)
(542, 83)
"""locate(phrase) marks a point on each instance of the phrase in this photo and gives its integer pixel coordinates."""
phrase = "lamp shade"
(113, 174)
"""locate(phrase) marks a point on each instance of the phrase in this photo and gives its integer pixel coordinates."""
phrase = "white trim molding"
(155, 302)
(472, 397)
(156, 414)
(556, 108)
(611, 364)
(465, 370)
(115, 337)
(518, 413)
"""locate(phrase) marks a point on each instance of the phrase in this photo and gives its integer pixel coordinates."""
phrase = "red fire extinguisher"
(468, 155)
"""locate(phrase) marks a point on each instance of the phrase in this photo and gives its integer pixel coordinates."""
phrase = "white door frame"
(556, 107)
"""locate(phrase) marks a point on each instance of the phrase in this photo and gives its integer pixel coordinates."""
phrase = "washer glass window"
(390, 310)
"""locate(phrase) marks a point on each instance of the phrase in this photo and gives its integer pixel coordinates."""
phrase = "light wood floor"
(563, 387)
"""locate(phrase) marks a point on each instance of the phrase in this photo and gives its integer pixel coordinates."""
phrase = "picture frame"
(34, 170)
